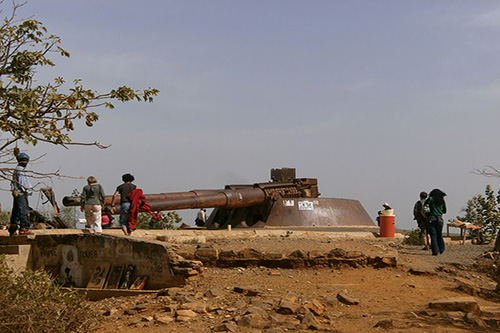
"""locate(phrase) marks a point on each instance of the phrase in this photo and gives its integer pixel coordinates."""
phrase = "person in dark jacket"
(122, 191)
(418, 215)
(437, 207)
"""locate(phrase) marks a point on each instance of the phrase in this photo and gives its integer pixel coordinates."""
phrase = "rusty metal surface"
(75, 201)
(318, 212)
(221, 198)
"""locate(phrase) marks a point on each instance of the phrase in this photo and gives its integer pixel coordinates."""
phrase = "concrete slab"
(20, 260)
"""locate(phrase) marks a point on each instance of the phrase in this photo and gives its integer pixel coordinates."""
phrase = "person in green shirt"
(91, 201)
(437, 207)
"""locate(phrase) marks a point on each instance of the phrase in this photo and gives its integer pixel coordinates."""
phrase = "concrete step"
(15, 240)
(9, 249)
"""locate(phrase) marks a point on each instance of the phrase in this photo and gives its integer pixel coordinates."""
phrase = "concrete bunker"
(76, 255)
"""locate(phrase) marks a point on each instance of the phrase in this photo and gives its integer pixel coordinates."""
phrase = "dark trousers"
(19, 216)
(435, 230)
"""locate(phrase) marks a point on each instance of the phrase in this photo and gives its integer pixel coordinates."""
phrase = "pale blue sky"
(379, 100)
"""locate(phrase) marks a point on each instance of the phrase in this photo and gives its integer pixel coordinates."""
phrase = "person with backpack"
(436, 209)
(419, 216)
(91, 202)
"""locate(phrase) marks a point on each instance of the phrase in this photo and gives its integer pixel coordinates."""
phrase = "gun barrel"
(194, 199)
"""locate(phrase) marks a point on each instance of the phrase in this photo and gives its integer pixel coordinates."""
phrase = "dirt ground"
(330, 299)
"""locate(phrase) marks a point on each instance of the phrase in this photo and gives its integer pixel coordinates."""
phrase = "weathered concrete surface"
(77, 256)
(211, 256)
(202, 235)
(20, 260)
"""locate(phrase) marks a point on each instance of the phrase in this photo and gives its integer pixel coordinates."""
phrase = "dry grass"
(32, 303)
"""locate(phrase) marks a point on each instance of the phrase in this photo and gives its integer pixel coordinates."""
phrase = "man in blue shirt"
(21, 189)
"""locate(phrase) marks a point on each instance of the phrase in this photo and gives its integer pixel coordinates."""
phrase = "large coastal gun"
(283, 201)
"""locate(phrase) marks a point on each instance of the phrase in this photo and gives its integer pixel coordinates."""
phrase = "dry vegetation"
(30, 302)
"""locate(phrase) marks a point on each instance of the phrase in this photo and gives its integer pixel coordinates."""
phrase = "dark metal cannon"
(284, 201)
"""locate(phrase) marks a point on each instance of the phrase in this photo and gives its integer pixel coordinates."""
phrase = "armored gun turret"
(283, 201)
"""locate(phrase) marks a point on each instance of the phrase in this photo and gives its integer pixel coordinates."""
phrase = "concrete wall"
(77, 255)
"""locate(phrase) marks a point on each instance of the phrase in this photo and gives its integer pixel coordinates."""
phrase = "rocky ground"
(344, 290)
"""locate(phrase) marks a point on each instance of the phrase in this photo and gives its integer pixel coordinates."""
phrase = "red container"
(387, 224)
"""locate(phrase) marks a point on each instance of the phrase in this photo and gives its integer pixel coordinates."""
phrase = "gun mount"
(284, 201)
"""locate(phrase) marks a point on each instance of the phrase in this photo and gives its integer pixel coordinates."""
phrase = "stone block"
(273, 256)
(206, 253)
(250, 254)
(227, 254)
(465, 304)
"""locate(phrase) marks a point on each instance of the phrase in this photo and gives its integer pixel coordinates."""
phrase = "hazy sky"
(379, 100)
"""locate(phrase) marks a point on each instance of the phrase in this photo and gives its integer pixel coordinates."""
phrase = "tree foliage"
(484, 211)
(165, 221)
(34, 113)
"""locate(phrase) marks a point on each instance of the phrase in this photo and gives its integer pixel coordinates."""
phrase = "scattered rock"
(246, 291)
(310, 321)
(474, 319)
(346, 299)
(252, 320)
(315, 307)
(454, 315)
(111, 312)
(185, 313)
(239, 304)
(195, 306)
(164, 319)
(386, 324)
(256, 310)
(226, 327)
(467, 286)
(140, 307)
(214, 292)
(287, 307)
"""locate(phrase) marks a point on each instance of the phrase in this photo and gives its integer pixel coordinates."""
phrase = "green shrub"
(412, 237)
(30, 302)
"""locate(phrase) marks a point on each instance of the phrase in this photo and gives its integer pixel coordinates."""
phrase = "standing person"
(92, 201)
(421, 219)
(21, 189)
(437, 207)
(123, 191)
(388, 211)
(201, 218)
